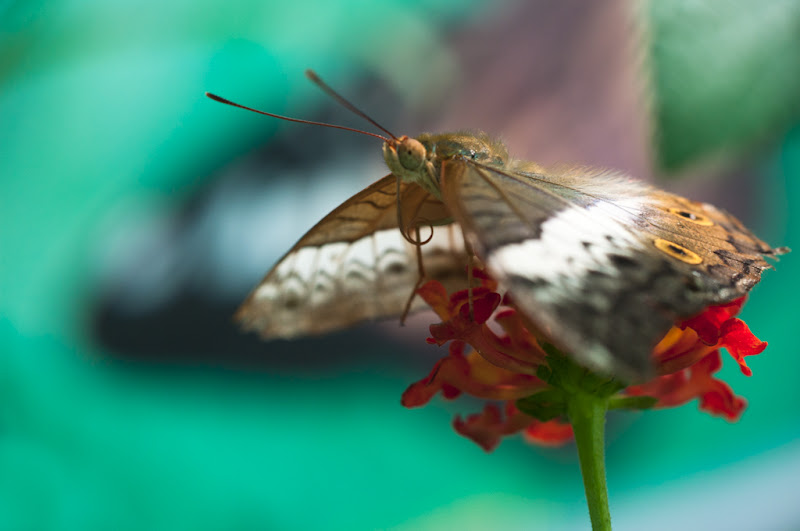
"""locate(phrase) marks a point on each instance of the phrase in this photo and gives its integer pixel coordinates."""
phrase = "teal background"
(106, 139)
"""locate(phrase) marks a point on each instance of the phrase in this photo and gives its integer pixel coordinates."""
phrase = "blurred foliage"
(726, 76)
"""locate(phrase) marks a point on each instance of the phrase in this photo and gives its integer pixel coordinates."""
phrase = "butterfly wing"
(601, 265)
(355, 264)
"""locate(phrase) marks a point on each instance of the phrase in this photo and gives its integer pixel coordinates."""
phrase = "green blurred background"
(135, 214)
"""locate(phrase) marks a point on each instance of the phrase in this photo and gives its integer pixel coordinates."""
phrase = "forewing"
(727, 252)
(578, 255)
(355, 265)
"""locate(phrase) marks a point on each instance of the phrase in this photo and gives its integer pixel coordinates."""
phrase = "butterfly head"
(420, 159)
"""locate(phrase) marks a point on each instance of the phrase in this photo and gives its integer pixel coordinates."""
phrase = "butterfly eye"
(411, 154)
(691, 216)
(476, 155)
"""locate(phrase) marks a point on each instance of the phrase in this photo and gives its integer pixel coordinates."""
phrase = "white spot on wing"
(572, 243)
(266, 292)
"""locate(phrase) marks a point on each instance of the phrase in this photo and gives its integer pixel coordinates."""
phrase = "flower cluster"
(505, 364)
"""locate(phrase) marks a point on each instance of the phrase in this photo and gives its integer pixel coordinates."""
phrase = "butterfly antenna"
(310, 74)
(232, 104)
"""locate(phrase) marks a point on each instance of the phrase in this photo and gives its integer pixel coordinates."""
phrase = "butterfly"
(601, 264)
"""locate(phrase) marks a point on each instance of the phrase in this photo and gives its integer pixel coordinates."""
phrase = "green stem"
(587, 414)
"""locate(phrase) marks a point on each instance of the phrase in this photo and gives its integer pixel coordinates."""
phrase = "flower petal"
(716, 397)
(471, 374)
(488, 427)
(708, 323)
(739, 341)
(551, 433)
(434, 293)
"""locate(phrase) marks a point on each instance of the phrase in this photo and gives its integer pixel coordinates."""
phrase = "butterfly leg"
(420, 276)
(470, 256)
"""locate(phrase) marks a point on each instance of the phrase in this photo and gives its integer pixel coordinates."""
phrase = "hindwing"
(355, 265)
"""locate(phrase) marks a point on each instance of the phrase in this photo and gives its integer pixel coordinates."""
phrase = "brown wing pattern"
(355, 265)
(730, 252)
(602, 265)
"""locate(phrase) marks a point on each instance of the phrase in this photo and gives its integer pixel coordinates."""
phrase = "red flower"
(689, 354)
(487, 427)
(505, 357)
